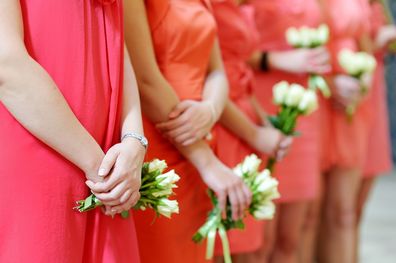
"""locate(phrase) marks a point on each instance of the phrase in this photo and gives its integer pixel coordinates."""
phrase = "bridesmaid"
(378, 160)
(299, 173)
(241, 133)
(344, 142)
(183, 89)
(60, 112)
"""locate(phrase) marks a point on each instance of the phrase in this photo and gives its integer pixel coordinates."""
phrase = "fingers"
(114, 196)
(172, 124)
(130, 202)
(180, 108)
(222, 199)
(235, 204)
(108, 162)
(284, 147)
(173, 134)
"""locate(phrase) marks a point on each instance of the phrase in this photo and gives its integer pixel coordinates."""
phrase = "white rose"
(280, 91)
(351, 63)
(309, 102)
(251, 164)
(370, 63)
(320, 83)
(157, 165)
(263, 176)
(322, 34)
(267, 186)
(293, 37)
(168, 179)
(294, 95)
(307, 36)
(163, 193)
(168, 207)
(266, 211)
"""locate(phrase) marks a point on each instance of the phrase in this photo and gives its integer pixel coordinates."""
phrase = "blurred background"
(379, 224)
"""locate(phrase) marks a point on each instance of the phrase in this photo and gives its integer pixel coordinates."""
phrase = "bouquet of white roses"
(293, 101)
(306, 37)
(155, 190)
(357, 65)
(264, 190)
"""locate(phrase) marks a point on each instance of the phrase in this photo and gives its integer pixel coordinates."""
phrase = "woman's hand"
(346, 91)
(301, 60)
(121, 169)
(189, 122)
(271, 141)
(385, 36)
(225, 183)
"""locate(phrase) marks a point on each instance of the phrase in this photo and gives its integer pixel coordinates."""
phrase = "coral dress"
(80, 44)
(298, 173)
(344, 142)
(379, 150)
(237, 41)
(183, 33)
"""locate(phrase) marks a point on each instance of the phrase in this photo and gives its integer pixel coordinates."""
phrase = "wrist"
(134, 138)
(91, 164)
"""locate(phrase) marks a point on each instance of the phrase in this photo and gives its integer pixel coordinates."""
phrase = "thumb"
(179, 109)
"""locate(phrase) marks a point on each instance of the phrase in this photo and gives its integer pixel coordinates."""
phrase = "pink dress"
(298, 173)
(80, 44)
(183, 33)
(379, 150)
(237, 41)
(344, 143)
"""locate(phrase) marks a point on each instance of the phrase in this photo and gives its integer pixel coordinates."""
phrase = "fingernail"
(102, 172)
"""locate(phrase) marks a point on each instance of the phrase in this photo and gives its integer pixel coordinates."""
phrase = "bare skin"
(159, 100)
(33, 98)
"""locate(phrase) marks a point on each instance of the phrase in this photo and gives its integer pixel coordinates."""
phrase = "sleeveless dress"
(183, 33)
(298, 173)
(344, 142)
(238, 41)
(379, 147)
(80, 44)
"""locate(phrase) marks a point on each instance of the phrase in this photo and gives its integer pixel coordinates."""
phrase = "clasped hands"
(117, 181)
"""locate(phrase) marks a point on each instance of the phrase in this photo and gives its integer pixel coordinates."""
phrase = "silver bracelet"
(143, 140)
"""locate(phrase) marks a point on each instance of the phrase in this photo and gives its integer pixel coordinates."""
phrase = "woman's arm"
(192, 120)
(158, 99)
(263, 139)
(32, 97)
(120, 191)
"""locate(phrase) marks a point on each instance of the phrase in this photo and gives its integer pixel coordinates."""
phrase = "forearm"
(32, 97)
(216, 86)
(131, 117)
(216, 92)
(237, 122)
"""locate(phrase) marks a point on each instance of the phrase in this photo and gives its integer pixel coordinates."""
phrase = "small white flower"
(370, 63)
(322, 34)
(251, 164)
(266, 211)
(293, 37)
(267, 186)
(163, 193)
(309, 102)
(157, 165)
(351, 63)
(168, 207)
(307, 36)
(263, 176)
(294, 95)
(168, 179)
(280, 91)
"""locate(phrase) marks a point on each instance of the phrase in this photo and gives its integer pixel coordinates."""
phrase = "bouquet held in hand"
(264, 190)
(155, 191)
(293, 101)
(306, 37)
(358, 65)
